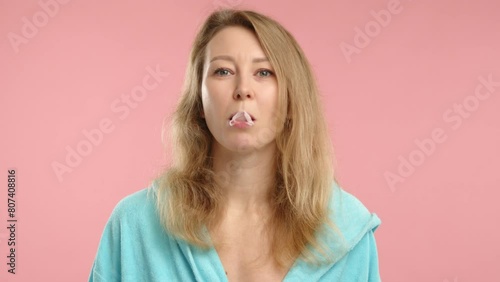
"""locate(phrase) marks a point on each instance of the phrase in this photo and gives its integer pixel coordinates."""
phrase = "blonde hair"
(188, 195)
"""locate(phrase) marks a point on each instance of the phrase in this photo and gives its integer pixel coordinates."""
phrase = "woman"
(250, 195)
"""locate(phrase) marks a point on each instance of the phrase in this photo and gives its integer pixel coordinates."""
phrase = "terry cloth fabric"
(135, 247)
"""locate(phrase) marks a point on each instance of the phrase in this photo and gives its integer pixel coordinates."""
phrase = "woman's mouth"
(241, 119)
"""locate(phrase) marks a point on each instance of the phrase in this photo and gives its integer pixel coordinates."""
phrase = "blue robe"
(135, 247)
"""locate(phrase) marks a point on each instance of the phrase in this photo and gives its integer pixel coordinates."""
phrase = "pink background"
(404, 82)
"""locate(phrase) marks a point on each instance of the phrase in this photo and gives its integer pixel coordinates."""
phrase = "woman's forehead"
(235, 42)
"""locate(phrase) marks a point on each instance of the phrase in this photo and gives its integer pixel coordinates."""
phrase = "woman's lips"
(241, 119)
(240, 124)
(235, 113)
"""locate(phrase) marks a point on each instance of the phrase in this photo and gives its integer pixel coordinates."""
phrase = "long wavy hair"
(188, 196)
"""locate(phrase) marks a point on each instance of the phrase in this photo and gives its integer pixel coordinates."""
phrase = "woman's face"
(238, 77)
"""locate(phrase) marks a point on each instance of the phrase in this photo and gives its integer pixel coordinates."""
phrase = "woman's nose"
(242, 95)
(243, 91)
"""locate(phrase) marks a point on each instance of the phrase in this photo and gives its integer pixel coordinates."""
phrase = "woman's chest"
(250, 264)
(246, 256)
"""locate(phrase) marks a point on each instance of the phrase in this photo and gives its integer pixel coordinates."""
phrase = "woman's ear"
(202, 114)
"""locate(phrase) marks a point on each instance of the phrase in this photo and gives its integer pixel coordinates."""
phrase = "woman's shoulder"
(135, 206)
(134, 246)
(350, 213)
(352, 218)
(354, 249)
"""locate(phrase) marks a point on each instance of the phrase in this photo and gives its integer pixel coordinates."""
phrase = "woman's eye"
(225, 72)
(265, 73)
(221, 72)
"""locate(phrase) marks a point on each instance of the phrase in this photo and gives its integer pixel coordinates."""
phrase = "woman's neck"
(246, 179)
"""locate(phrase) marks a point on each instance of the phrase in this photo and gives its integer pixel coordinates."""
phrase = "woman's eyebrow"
(231, 59)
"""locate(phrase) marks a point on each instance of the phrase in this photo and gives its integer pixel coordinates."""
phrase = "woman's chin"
(243, 146)
(243, 143)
